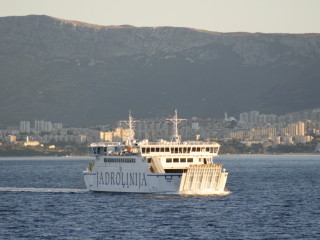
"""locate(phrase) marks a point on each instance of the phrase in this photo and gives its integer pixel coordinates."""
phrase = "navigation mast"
(130, 123)
(175, 120)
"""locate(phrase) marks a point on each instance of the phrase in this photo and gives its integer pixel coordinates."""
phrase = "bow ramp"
(208, 178)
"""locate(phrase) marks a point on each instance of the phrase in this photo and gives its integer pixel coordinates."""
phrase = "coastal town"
(250, 132)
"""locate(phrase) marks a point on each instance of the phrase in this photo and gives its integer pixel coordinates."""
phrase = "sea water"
(272, 197)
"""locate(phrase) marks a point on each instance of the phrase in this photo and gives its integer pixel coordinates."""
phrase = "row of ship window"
(182, 160)
(120, 160)
(180, 149)
(102, 150)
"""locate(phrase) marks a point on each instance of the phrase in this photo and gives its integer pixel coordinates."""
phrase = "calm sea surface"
(273, 197)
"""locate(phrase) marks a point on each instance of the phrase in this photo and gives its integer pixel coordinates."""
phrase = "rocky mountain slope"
(83, 74)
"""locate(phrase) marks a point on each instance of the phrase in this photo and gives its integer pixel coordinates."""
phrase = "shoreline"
(220, 155)
(42, 157)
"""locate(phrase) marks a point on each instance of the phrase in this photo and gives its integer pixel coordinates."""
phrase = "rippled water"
(273, 197)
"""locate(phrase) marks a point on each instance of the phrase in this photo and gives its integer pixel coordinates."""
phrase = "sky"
(267, 16)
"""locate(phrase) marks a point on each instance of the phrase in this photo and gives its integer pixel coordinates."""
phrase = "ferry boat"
(156, 167)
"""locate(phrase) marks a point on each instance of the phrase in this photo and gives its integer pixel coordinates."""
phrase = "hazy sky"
(269, 16)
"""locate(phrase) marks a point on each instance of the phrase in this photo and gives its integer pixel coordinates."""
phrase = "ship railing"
(105, 144)
(180, 143)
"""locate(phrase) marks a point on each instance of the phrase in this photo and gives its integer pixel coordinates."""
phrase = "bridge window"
(94, 150)
(190, 159)
(168, 160)
(98, 150)
(175, 150)
(183, 160)
(167, 149)
(176, 160)
(195, 149)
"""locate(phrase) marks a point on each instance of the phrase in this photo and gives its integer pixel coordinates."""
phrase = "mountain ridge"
(64, 70)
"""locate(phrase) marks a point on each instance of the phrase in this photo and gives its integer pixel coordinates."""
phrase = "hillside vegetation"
(82, 74)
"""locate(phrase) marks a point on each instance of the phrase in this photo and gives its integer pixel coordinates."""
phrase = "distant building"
(228, 119)
(81, 139)
(237, 134)
(300, 129)
(272, 118)
(284, 131)
(118, 135)
(31, 143)
(253, 117)
(25, 127)
(42, 126)
(11, 138)
(276, 140)
(106, 136)
(302, 139)
(296, 129)
(57, 126)
(262, 119)
(287, 140)
(244, 118)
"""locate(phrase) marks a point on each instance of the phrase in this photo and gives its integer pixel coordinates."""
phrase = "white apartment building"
(42, 126)
(25, 127)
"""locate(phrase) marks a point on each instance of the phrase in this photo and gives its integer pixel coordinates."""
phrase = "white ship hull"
(137, 178)
(130, 182)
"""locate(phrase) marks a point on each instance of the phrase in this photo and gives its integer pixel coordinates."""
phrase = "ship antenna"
(175, 120)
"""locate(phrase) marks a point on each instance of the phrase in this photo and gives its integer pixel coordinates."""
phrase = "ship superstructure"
(176, 156)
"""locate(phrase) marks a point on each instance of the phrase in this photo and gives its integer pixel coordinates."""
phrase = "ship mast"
(130, 123)
(175, 120)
